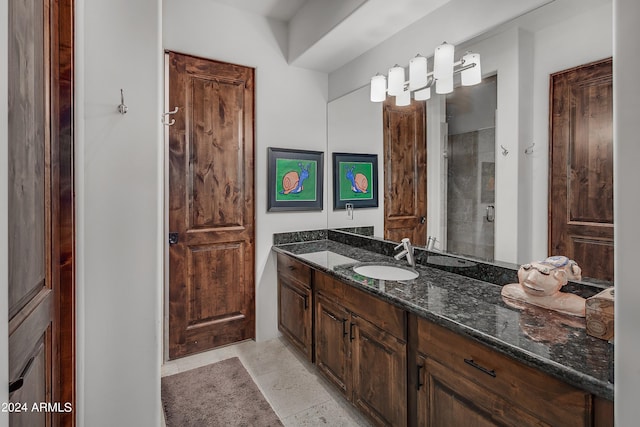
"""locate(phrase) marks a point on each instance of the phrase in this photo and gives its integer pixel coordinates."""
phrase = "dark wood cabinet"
(295, 307)
(401, 369)
(460, 379)
(367, 362)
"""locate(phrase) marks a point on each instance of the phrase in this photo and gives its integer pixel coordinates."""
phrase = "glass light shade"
(422, 94)
(444, 86)
(378, 88)
(443, 61)
(473, 75)
(396, 80)
(403, 99)
(417, 72)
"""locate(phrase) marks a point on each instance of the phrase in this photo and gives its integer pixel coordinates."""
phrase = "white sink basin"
(386, 272)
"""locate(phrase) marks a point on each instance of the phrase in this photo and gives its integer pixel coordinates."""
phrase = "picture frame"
(295, 180)
(355, 180)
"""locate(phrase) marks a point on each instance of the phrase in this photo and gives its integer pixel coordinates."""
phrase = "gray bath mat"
(220, 394)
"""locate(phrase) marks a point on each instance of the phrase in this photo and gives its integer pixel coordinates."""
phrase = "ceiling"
(282, 10)
(324, 35)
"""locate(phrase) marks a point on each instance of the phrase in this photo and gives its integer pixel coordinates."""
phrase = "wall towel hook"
(168, 113)
(529, 149)
(504, 150)
(122, 108)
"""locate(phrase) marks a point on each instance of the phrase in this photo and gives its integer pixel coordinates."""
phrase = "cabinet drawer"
(549, 399)
(329, 287)
(294, 269)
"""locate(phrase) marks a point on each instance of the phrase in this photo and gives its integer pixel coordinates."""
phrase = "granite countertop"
(554, 343)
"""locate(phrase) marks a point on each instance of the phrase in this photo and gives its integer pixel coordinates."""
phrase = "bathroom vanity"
(441, 349)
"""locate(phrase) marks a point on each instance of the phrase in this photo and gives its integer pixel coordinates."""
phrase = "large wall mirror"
(487, 145)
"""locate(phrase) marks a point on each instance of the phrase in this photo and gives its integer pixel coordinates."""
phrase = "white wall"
(626, 111)
(118, 199)
(354, 125)
(291, 112)
(4, 232)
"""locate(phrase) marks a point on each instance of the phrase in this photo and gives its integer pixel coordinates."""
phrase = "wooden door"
(211, 204)
(405, 172)
(379, 364)
(332, 341)
(581, 168)
(40, 211)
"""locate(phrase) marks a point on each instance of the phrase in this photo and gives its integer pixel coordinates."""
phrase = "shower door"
(470, 170)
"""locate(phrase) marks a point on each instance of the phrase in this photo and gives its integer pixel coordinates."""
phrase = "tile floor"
(297, 393)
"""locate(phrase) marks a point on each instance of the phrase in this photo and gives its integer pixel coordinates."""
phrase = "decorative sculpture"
(540, 283)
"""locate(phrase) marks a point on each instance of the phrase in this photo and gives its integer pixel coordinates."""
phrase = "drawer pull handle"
(306, 302)
(420, 383)
(489, 372)
(351, 337)
(344, 328)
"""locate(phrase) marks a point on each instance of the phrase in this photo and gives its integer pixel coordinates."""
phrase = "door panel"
(581, 168)
(383, 395)
(294, 313)
(405, 172)
(331, 342)
(211, 206)
(36, 374)
(28, 133)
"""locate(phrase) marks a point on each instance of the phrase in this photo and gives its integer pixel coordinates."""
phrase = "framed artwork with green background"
(295, 180)
(355, 180)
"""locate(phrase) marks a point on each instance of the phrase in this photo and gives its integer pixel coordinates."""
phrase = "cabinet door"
(294, 313)
(445, 398)
(379, 373)
(332, 341)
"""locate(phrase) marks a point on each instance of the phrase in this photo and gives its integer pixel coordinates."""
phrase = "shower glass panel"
(470, 165)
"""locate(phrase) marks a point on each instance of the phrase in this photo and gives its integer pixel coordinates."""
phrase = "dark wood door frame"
(63, 106)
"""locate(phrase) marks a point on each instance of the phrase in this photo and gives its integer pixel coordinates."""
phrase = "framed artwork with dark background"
(295, 181)
(355, 180)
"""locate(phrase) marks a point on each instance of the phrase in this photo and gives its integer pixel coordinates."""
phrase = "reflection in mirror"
(523, 53)
(469, 162)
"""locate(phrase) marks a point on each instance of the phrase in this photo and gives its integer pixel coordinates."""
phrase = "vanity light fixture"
(421, 80)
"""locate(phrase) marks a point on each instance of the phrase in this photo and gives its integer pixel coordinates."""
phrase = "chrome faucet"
(406, 251)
